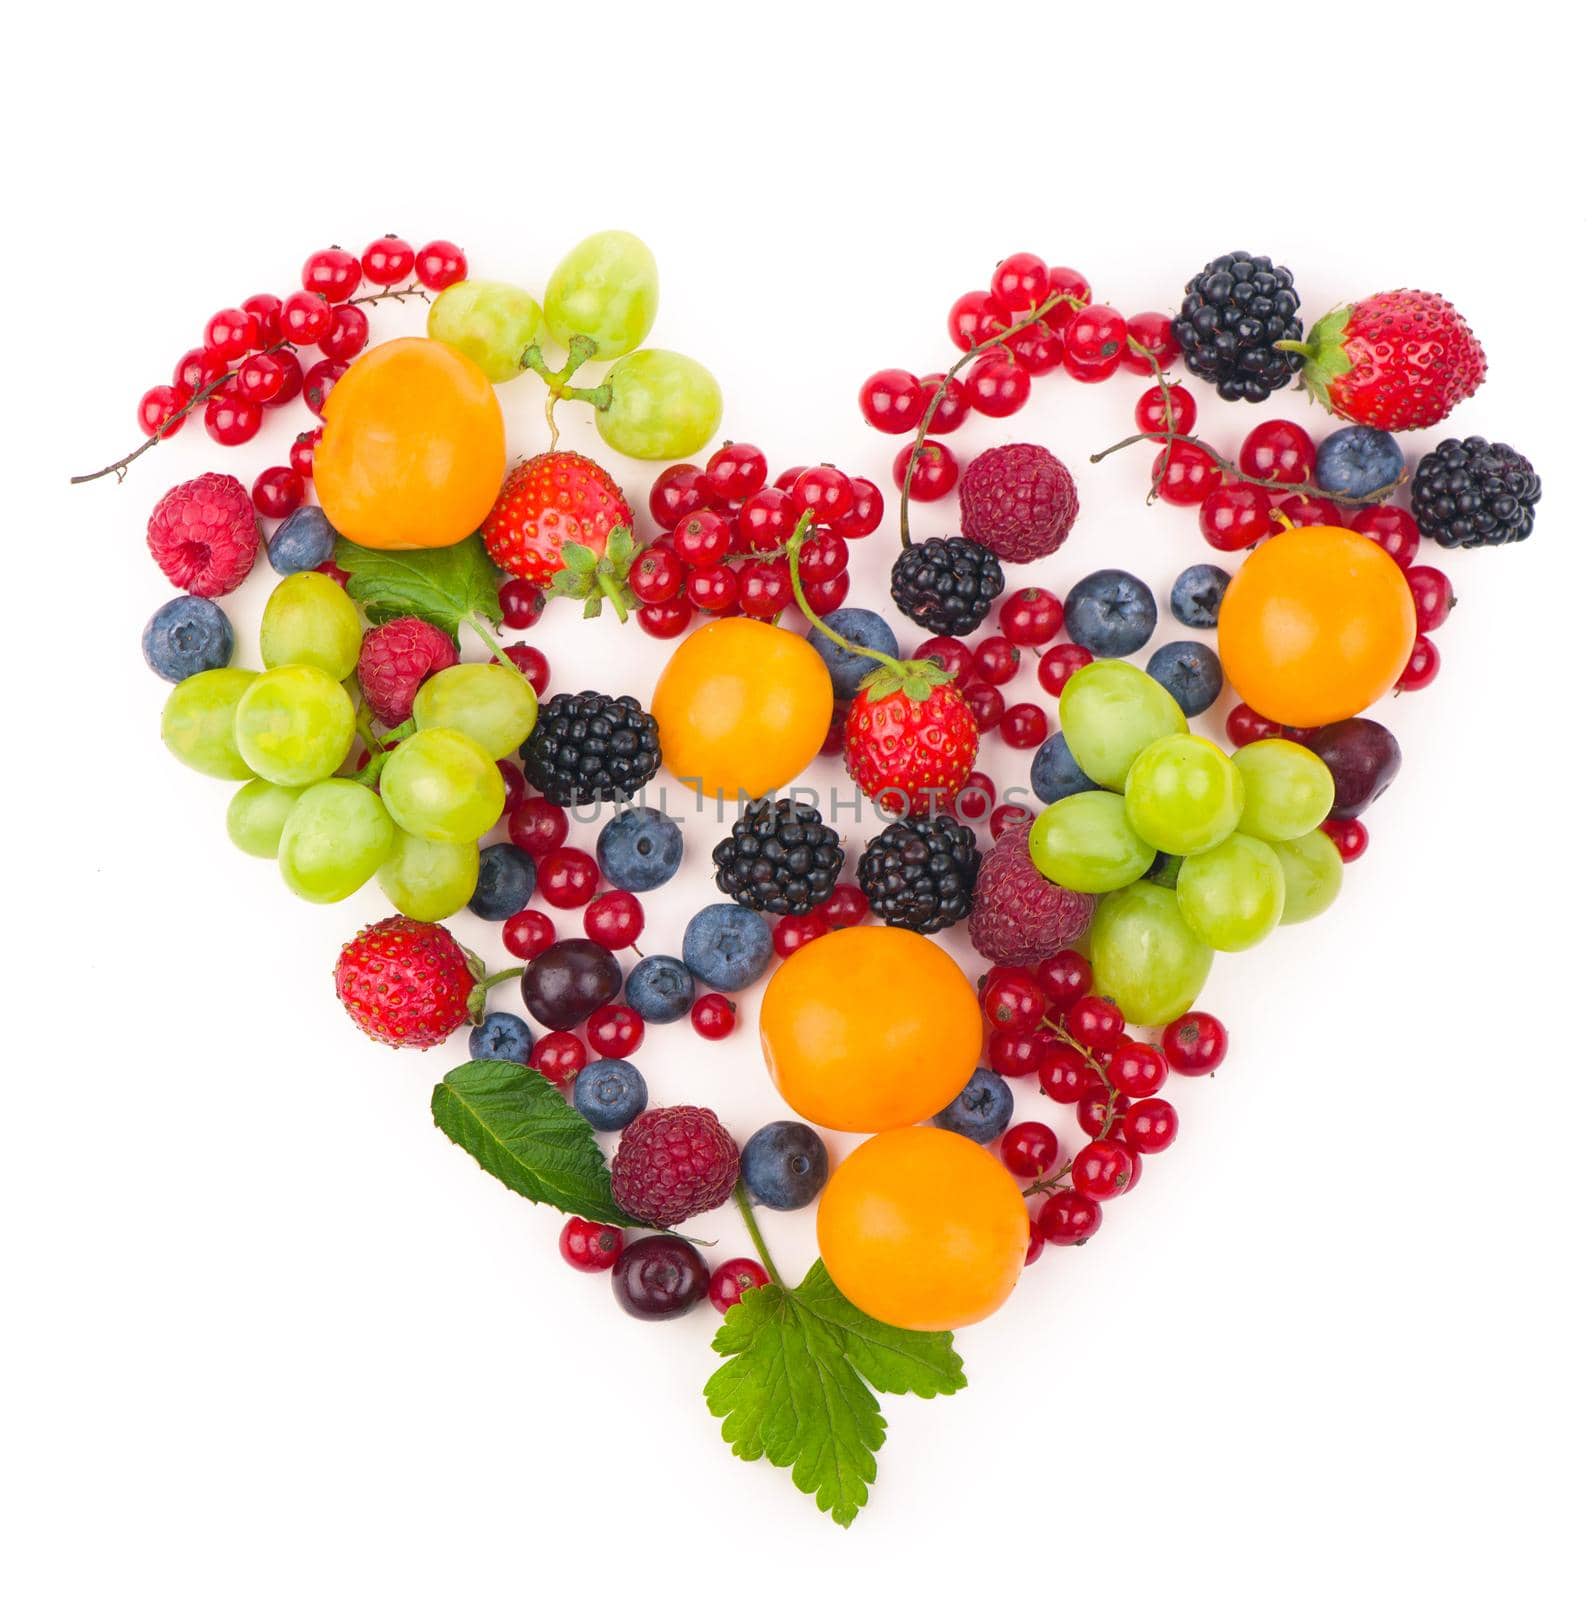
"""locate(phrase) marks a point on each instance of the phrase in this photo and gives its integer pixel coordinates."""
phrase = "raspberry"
(1019, 501)
(203, 534)
(674, 1163)
(396, 659)
(1019, 916)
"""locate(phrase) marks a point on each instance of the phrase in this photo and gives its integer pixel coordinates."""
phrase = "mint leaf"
(523, 1131)
(442, 586)
(797, 1387)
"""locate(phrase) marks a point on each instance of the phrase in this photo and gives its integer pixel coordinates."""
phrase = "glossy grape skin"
(1084, 842)
(1233, 894)
(1288, 789)
(662, 406)
(1144, 954)
(488, 323)
(1183, 794)
(294, 725)
(336, 836)
(256, 814)
(310, 621)
(494, 706)
(607, 287)
(1109, 712)
(441, 785)
(1313, 872)
(198, 722)
(428, 879)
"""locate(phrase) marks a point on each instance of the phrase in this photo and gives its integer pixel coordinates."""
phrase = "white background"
(274, 1335)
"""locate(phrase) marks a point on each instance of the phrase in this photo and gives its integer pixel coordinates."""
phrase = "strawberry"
(1395, 361)
(408, 983)
(910, 738)
(554, 500)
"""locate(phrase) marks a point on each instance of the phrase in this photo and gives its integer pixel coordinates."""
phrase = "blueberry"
(1054, 774)
(785, 1165)
(1110, 613)
(659, 989)
(500, 1036)
(1197, 594)
(867, 628)
(1190, 672)
(727, 947)
(1359, 461)
(187, 635)
(639, 849)
(609, 1094)
(303, 542)
(983, 1111)
(1164, 870)
(505, 877)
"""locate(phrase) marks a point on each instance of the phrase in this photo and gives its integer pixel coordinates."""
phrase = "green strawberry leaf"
(578, 558)
(798, 1386)
(594, 579)
(441, 586)
(524, 1132)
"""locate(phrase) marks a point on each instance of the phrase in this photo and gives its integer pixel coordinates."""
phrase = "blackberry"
(780, 857)
(1469, 492)
(591, 746)
(946, 585)
(920, 873)
(1234, 311)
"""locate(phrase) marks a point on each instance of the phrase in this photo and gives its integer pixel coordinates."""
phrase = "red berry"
(973, 319)
(712, 589)
(1392, 528)
(1012, 998)
(1059, 664)
(336, 573)
(558, 1056)
(868, 507)
(590, 1246)
(231, 333)
(1310, 511)
(824, 492)
(976, 798)
(347, 336)
(1019, 283)
(676, 491)
(231, 420)
(766, 520)
(1150, 411)
(1030, 617)
(387, 260)
(731, 1280)
(735, 471)
(1095, 1021)
(1016, 1052)
(664, 619)
(702, 538)
(266, 311)
(1068, 1217)
(951, 655)
(292, 375)
(334, 273)
(159, 408)
(260, 378)
(1280, 451)
(954, 403)
(1038, 348)
(1137, 1069)
(985, 704)
(764, 588)
(713, 1016)
(514, 784)
(935, 473)
(1029, 1149)
(1009, 816)
(996, 384)
(847, 906)
(892, 400)
(1154, 333)
(1037, 1243)
(567, 877)
(278, 492)
(793, 932)
(1064, 978)
(1245, 726)
(1235, 515)
(439, 264)
(1195, 1044)
(1023, 726)
(521, 602)
(822, 557)
(198, 369)
(1103, 1169)
(996, 659)
(1190, 475)
(532, 663)
(657, 574)
(1420, 670)
(537, 826)
(1432, 594)
(306, 318)
(1095, 337)
(318, 381)
(1349, 835)
(614, 919)
(528, 934)
(1070, 284)
(1065, 1075)
(301, 454)
(614, 1031)
(1149, 1127)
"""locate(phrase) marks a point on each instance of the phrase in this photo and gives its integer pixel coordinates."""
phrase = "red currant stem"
(391, 293)
(1001, 338)
(1047, 1185)
(793, 546)
(1166, 392)
(745, 1206)
(480, 628)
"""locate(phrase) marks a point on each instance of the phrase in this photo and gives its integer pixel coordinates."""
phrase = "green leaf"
(442, 586)
(523, 1131)
(797, 1387)
(578, 558)
(620, 550)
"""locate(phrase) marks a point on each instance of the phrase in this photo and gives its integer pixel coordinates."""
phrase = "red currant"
(1037, 1243)
(985, 704)
(847, 906)
(1095, 1021)
(793, 932)
(713, 1016)
(266, 310)
(558, 1056)
(521, 602)
(1029, 1149)
(1016, 1052)
(953, 407)
(766, 520)
(1009, 816)
(1149, 1127)
(1420, 670)
(712, 589)
(1137, 1069)
(1349, 835)
(1393, 528)
(306, 318)
(1154, 333)
(1310, 511)
(1072, 286)
(1095, 337)
(868, 507)
(731, 1280)
(336, 573)
(278, 492)
(996, 659)
(1064, 978)
(976, 798)
(1151, 412)
(347, 336)
(1065, 1075)
(996, 384)
(892, 400)
(160, 410)
(825, 492)
(1031, 617)
(198, 369)
(614, 919)
(764, 588)
(537, 826)
(657, 574)
(1023, 726)
(387, 260)
(334, 273)
(827, 596)
(1187, 474)
(514, 784)
(439, 264)
(1012, 998)
(614, 1031)
(735, 471)
(260, 378)
(1235, 515)
(702, 539)
(1038, 348)
(530, 661)
(934, 474)
(1019, 283)
(951, 655)
(567, 877)
(675, 492)
(1432, 594)
(1103, 1169)
(590, 1246)
(1245, 726)
(528, 934)
(1280, 451)
(231, 420)
(1068, 1217)
(1059, 664)
(822, 557)
(287, 363)
(231, 334)
(318, 382)
(973, 319)
(665, 619)
(1195, 1044)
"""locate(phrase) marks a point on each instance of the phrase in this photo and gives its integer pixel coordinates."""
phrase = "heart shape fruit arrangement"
(365, 748)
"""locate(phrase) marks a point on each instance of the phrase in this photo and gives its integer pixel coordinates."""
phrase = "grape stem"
(581, 350)
(755, 1233)
(1048, 304)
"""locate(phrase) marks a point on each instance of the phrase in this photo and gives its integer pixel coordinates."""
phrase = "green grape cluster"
(289, 733)
(1192, 850)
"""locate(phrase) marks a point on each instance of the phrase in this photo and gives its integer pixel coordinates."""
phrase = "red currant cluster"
(1045, 1021)
(1033, 319)
(725, 529)
(249, 359)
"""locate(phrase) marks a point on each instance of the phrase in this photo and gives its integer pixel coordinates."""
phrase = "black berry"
(1469, 492)
(1234, 310)
(946, 585)
(591, 746)
(920, 873)
(780, 857)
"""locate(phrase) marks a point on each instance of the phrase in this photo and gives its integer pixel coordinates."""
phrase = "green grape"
(1313, 872)
(1183, 794)
(607, 288)
(1110, 711)
(1084, 842)
(335, 837)
(488, 323)
(1288, 789)
(1233, 894)
(662, 406)
(1144, 955)
(197, 722)
(309, 621)
(426, 879)
(496, 707)
(441, 785)
(256, 815)
(294, 725)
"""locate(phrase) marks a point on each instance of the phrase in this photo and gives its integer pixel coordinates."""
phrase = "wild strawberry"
(554, 499)
(910, 738)
(1399, 360)
(408, 983)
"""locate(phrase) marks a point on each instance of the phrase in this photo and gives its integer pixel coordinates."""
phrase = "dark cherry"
(569, 981)
(1363, 756)
(659, 1277)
